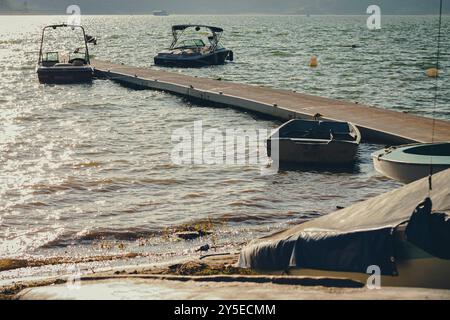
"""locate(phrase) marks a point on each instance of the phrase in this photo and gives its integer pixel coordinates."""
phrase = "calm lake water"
(85, 170)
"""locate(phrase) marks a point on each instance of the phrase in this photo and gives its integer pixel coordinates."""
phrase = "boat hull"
(412, 162)
(418, 273)
(326, 153)
(414, 268)
(161, 13)
(215, 58)
(314, 142)
(65, 75)
(404, 172)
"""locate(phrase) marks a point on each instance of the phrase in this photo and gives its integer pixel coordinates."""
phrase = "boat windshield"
(51, 57)
(190, 43)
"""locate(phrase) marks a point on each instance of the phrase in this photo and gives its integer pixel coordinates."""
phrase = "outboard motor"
(91, 39)
(230, 56)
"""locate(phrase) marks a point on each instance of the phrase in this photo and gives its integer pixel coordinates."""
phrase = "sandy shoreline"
(219, 273)
(214, 276)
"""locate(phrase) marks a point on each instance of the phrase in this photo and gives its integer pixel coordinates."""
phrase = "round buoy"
(313, 62)
(432, 72)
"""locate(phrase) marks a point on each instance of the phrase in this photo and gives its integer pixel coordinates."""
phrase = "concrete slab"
(155, 289)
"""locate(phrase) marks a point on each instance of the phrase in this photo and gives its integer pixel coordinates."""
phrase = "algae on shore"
(11, 264)
(195, 268)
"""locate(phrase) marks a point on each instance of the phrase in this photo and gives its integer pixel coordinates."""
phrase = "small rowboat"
(412, 162)
(315, 142)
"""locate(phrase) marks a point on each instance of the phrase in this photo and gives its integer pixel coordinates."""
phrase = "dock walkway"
(376, 124)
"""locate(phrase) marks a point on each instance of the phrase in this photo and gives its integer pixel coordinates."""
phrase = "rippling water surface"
(85, 170)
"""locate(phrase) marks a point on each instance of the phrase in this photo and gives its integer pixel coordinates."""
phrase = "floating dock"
(376, 124)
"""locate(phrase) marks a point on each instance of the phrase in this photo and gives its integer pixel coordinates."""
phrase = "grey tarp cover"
(350, 239)
(430, 231)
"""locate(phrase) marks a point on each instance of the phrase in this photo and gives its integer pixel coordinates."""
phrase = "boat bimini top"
(178, 30)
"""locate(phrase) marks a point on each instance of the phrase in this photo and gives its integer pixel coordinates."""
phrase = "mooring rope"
(436, 92)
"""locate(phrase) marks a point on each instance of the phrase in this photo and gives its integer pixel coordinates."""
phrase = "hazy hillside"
(229, 6)
(4, 5)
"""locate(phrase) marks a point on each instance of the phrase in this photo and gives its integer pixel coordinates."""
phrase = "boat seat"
(63, 65)
(188, 52)
(49, 63)
(342, 135)
(205, 49)
(78, 63)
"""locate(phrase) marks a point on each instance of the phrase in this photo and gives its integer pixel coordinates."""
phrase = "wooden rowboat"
(315, 142)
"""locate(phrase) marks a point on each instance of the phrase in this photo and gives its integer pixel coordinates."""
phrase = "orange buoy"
(432, 72)
(313, 62)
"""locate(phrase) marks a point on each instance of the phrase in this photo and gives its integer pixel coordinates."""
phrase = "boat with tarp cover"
(194, 52)
(61, 67)
(404, 238)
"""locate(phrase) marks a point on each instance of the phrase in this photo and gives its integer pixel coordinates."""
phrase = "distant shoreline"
(51, 13)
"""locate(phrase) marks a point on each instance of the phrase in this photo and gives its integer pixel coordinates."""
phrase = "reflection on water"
(85, 170)
(353, 168)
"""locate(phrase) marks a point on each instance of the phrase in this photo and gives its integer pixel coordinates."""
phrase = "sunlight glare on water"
(81, 165)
